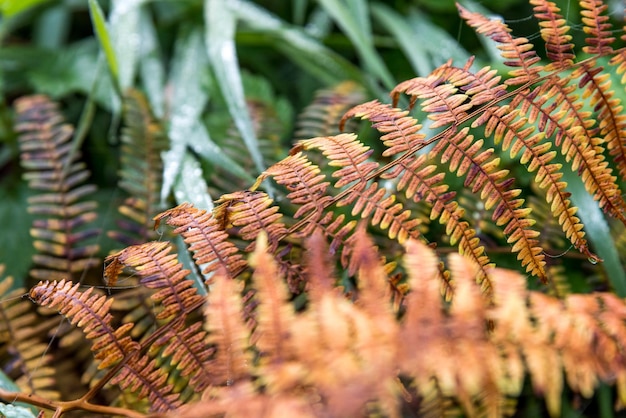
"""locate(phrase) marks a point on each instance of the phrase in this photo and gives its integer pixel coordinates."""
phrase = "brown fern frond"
(466, 157)
(189, 352)
(110, 346)
(304, 182)
(517, 52)
(400, 131)
(461, 330)
(23, 352)
(512, 131)
(251, 212)
(91, 313)
(608, 108)
(380, 204)
(348, 153)
(227, 331)
(423, 183)
(554, 31)
(322, 116)
(596, 25)
(274, 314)
(206, 239)
(576, 136)
(160, 271)
(54, 170)
(143, 142)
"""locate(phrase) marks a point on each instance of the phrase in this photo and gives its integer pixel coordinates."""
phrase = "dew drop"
(592, 260)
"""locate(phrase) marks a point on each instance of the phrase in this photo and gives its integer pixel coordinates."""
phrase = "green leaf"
(190, 185)
(12, 411)
(352, 17)
(597, 230)
(125, 38)
(102, 32)
(10, 8)
(301, 48)
(188, 101)
(151, 64)
(220, 40)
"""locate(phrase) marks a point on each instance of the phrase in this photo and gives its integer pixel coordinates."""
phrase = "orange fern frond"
(596, 25)
(512, 131)
(91, 313)
(466, 157)
(227, 331)
(304, 182)
(274, 315)
(400, 131)
(517, 52)
(206, 239)
(348, 153)
(189, 353)
(576, 137)
(160, 271)
(251, 212)
(554, 31)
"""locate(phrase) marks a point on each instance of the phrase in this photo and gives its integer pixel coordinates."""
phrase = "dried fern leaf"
(596, 25)
(517, 52)
(227, 331)
(23, 351)
(143, 142)
(554, 31)
(206, 239)
(110, 346)
(251, 212)
(159, 270)
(63, 231)
(509, 129)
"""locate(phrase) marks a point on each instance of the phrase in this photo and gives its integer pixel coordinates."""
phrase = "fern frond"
(554, 31)
(304, 182)
(189, 352)
(227, 331)
(252, 212)
(206, 239)
(160, 271)
(517, 52)
(143, 142)
(322, 116)
(596, 25)
(466, 157)
(110, 346)
(575, 135)
(348, 153)
(22, 350)
(510, 129)
(54, 170)
(400, 131)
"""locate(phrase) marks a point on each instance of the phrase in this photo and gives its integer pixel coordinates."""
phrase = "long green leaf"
(125, 38)
(352, 17)
(220, 41)
(597, 230)
(190, 185)
(300, 47)
(102, 32)
(151, 64)
(10, 8)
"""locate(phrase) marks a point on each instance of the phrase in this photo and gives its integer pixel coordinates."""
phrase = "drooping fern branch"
(65, 224)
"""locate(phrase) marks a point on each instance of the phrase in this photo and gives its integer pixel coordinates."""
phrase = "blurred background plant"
(232, 83)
